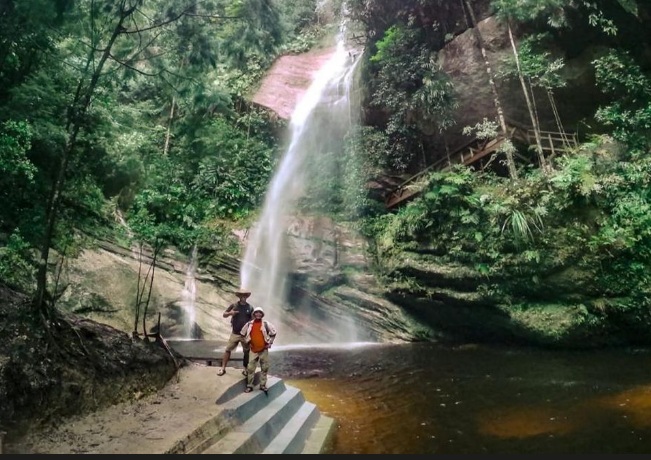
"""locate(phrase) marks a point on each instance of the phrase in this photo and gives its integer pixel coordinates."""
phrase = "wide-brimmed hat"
(241, 292)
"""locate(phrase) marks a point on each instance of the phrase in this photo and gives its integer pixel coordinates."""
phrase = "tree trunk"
(139, 292)
(510, 161)
(76, 112)
(525, 90)
(168, 134)
(157, 249)
(559, 123)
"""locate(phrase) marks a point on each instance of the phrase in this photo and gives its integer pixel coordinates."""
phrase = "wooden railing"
(466, 155)
(552, 142)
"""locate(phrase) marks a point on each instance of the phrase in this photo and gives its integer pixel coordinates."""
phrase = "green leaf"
(630, 6)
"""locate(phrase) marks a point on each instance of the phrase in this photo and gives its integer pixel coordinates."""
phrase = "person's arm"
(230, 311)
(245, 330)
(271, 332)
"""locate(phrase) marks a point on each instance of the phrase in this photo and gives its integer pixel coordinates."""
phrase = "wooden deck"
(553, 143)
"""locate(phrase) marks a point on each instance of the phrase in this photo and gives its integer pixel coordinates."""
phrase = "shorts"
(233, 340)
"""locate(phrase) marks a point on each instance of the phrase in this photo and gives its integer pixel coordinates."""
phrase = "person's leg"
(245, 356)
(250, 369)
(230, 346)
(264, 368)
(225, 358)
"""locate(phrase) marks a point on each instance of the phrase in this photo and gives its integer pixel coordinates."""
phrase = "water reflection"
(428, 398)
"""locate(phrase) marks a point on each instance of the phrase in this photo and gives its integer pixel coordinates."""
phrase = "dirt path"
(151, 425)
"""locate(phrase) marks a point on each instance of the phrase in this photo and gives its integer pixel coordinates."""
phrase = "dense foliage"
(591, 214)
(131, 117)
(134, 111)
(573, 234)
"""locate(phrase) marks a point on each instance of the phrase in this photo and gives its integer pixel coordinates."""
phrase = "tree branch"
(129, 66)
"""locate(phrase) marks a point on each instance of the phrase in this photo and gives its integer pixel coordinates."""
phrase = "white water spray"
(318, 124)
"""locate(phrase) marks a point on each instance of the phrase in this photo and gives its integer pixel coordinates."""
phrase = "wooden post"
(447, 151)
(422, 149)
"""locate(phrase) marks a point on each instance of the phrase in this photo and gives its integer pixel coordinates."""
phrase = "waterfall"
(318, 125)
(189, 295)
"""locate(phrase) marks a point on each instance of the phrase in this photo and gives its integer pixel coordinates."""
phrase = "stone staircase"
(278, 421)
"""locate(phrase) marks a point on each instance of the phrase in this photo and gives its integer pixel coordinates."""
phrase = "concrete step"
(236, 407)
(252, 436)
(321, 436)
(276, 421)
(291, 438)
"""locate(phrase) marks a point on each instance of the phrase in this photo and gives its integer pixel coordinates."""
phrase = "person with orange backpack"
(259, 334)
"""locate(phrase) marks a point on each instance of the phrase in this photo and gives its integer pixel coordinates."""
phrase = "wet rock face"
(104, 284)
(288, 79)
(462, 60)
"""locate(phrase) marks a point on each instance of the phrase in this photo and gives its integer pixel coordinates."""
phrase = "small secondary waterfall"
(318, 125)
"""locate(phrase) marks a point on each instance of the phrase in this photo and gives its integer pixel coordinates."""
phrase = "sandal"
(221, 371)
(248, 390)
(263, 388)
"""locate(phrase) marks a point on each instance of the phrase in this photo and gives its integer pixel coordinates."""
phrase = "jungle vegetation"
(136, 111)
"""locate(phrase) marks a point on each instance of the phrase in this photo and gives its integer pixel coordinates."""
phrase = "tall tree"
(507, 10)
(120, 35)
(510, 161)
(541, 71)
(76, 115)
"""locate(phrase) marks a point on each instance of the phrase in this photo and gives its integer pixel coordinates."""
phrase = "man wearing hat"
(241, 313)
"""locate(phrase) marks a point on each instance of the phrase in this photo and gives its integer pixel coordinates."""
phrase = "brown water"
(428, 398)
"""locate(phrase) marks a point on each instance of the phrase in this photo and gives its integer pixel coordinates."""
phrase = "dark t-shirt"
(243, 315)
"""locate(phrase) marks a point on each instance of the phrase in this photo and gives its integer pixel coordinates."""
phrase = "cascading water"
(318, 125)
